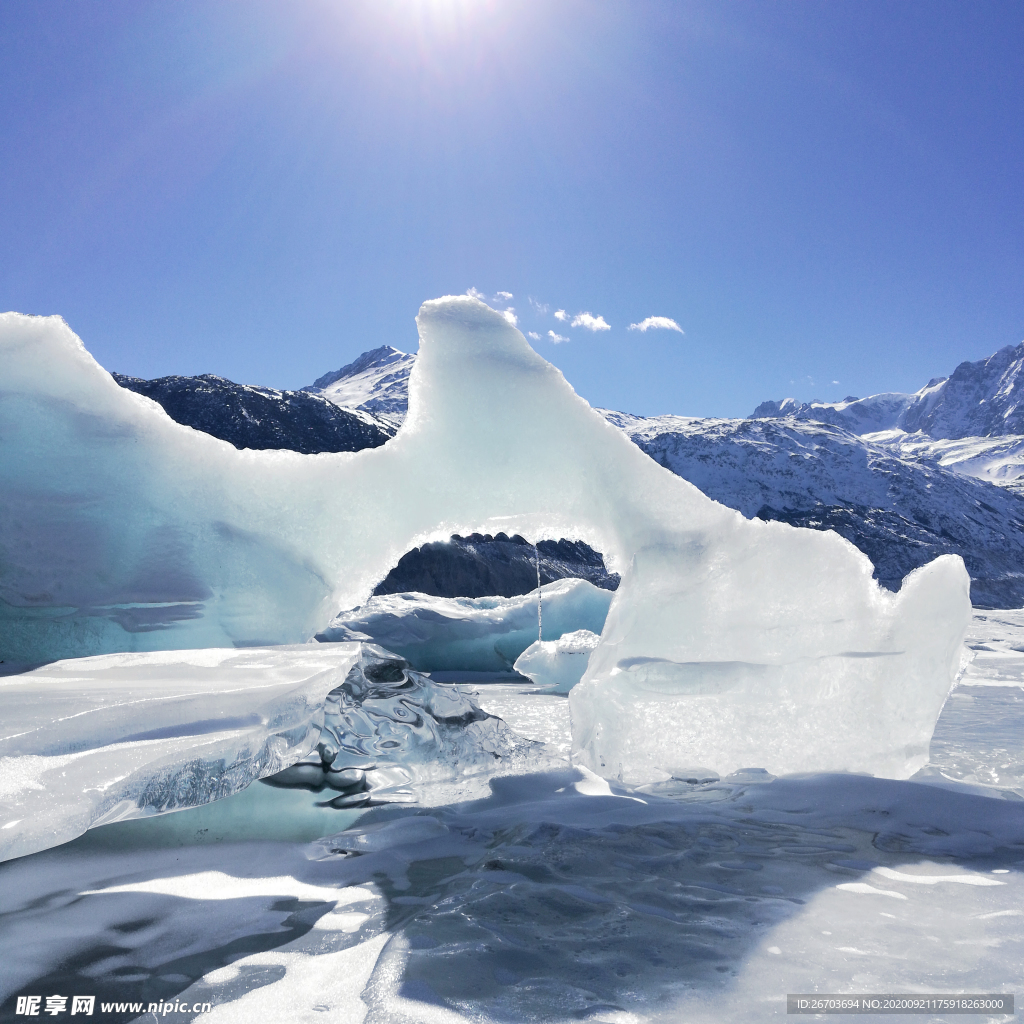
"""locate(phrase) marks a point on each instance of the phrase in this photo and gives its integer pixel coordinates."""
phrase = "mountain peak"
(984, 398)
(376, 357)
(376, 382)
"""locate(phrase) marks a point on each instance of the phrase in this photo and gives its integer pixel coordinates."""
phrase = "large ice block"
(121, 529)
(480, 634)
(101, 739)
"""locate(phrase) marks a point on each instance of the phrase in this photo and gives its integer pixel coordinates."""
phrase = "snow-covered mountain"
(980, 399)
(996, 460)
(899, 512)
(377, 382)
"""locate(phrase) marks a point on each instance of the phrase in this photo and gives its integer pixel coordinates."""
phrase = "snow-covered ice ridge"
(971, 422)
(898, 496)
(743, 642)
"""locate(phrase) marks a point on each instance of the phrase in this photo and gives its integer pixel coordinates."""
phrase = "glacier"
(902, 512)
(809, 473)
(482, 634)
(729, 642)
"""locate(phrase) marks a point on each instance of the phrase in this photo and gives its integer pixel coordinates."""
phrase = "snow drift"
(729, 643)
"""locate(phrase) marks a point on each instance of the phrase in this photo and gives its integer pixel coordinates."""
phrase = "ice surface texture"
(729, 643)
(387, 728)
(483, 634)
(121, 736)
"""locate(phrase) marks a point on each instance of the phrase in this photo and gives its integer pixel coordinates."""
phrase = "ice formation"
(121, 736)
(729, 643)
(114, 737)
(386, 726)
(483, 634)
(600, 899)
(558, 664)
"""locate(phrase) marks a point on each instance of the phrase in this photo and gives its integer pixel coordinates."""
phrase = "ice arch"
(730, 642)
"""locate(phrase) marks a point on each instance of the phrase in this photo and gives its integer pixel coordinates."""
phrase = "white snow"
(121, 736)
(473, 634)
(729, 642)
(996, 460)
(996, 640)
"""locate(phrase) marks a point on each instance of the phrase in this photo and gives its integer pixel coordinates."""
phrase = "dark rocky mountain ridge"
(484, 566)
(262, 418)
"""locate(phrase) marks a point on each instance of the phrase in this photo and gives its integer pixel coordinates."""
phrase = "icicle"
(540, 618)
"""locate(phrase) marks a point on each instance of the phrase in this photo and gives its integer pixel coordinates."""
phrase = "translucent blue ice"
(730, 642)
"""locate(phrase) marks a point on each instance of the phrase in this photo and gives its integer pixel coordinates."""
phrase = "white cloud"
(556, 338)
(659, 322)
(503, 296)
(540, 307)
(534, 335)
(560, 314)
(591, 322)
(510, 315)
(835, 382)
(476, 293)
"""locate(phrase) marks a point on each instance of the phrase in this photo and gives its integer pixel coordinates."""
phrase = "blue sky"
(816, 192)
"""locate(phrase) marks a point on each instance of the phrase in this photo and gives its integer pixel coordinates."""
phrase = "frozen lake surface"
(546, 894)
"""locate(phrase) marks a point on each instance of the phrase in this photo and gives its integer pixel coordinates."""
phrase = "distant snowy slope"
(980, 399)
(858, 415)
(900, 513)
(376, 382)
(997, 460)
